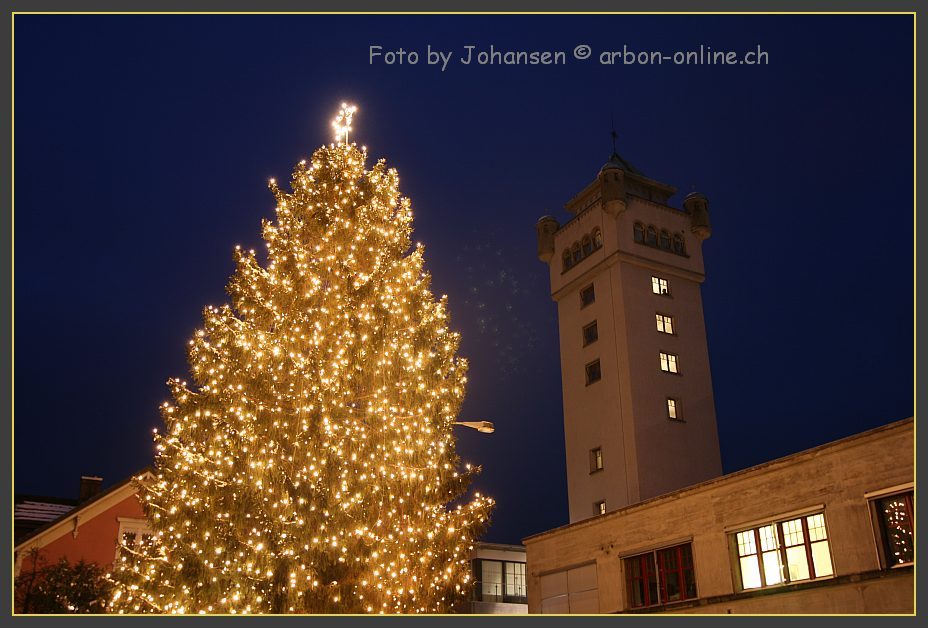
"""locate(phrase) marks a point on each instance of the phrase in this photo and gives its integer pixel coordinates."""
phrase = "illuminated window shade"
(660, 286)
(668, 362)
(664, 323)
(596, 460)
(599, 508)
(672, 409)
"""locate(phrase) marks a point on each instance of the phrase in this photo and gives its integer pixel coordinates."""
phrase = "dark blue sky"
(143, 146)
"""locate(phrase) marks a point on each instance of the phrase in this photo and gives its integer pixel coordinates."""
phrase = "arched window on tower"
(678, 247)
(652, 236)
(586, 245)
(566, 258)
(597, 239)
(639, 232)
(575, 253)
(665, 240)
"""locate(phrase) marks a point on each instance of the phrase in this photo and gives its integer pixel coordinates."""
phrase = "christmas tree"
(311, 466)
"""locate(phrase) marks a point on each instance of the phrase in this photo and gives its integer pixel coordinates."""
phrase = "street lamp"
(481, 426)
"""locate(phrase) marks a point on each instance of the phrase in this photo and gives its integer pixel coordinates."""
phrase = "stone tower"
(626, 269)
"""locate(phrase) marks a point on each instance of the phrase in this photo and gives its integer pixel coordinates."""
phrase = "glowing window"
(782, 552)
(599, 508)
(895, 518)
(664, 323)
(659, 286)
(668, 362)
(673, 409)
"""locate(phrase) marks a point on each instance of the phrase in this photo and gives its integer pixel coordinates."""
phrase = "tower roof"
(618, 162)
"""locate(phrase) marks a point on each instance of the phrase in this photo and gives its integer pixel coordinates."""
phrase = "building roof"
(617, 161)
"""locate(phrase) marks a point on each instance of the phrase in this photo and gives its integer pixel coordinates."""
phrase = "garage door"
(570, 591)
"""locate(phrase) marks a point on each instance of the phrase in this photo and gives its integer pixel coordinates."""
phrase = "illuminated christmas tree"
(311, 466)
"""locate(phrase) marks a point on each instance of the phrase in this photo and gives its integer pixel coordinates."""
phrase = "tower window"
(665, 240)
(660, 286)
(596, 460)
(669, 362)
(651, 237)
(664, 323)
(575, 255)
(590, 334)
(593, 374)
(678, 247)
(673, 409)
(597, 239)
(639, 232)
(586, 245)
(566, 259)
(587, 295)
(783, 552)
(599, 508)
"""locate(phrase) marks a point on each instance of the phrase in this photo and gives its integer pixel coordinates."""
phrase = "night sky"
(143, 146)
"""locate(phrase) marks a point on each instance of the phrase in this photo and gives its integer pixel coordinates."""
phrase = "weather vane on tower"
(342, 122)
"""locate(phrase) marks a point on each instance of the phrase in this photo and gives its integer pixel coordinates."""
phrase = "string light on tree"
(309, 465)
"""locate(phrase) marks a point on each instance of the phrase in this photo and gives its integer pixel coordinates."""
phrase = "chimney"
(90, 486)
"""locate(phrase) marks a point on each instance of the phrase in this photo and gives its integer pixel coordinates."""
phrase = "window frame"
(596, 460)
(592, 291)
(656, 283)
(503, 597)
(662, 320)
(673, 402)
(599, 508)
(587, 342)
(877, 521)
(139, 528)
(665, 358)
(653, 563)
(599, 372)
(780, 550)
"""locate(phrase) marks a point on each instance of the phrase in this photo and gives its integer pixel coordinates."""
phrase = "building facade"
(499, 580)
(827, 530)
(625, 271)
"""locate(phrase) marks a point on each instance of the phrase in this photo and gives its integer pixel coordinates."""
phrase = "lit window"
(593, 373)
(134, 534)
(665, 240)
(599, 508)
(590, 334)
(784, 551)
(669, 362)
(672, 409)
(639, 232)
(587, 296)
(659, 286)
(664, 323)
(596, 460)
(660, 577)
(895, 515)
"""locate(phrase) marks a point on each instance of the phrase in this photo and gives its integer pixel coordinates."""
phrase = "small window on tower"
(597, 239)
(587, 245)
(599, 508)
(669, 362)
(665, 240)
(678, 247)
(664, 323)
(590, 334)
(575, 256)
(566, 259)
(587, 295)
(593, 373)
(651, 236)
(660, 286)
(596, 460)
(639, 232)
(673, 409)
